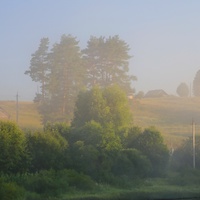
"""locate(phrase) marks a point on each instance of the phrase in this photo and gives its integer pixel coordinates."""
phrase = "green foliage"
(11, 191)
(90, 105)
(110, 140)
(51, 183)
(46, 150)
(182, 90)
(185, 177)
(90, 133)
(132, 164)
(151, 144)
(130, 139)
(107, 106)
(117, 101)
(13, 156)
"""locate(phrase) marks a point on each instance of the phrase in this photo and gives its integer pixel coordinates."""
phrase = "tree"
(65, 81)
(196, 84)
(107, 62)
(108, 106)
(61, 75)
(151, 144)
(90, 105)
(182, 90)
(131, 163)
(38, 69)
(46, 150)
(182, 157)
(13, 157)
(117, 101)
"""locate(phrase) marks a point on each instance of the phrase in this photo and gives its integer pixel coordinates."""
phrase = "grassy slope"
(171, 115)
(28, 116)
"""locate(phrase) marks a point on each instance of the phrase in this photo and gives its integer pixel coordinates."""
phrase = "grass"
(28, 116)
(151, 189)
(172, 116)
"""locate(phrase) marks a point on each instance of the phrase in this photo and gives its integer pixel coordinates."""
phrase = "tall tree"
(107, 62)
(65, 75)
(38, 69)
(196, 84)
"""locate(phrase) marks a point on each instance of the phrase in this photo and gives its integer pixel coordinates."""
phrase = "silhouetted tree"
(38, 69)
(107, 62)
(183, 90)
(196, 84)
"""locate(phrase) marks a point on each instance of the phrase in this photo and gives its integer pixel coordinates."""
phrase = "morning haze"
(99, 99)
(163, 37)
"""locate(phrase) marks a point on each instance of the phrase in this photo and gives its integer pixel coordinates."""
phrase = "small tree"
(151, 144)
(183, 90)
(105, 106)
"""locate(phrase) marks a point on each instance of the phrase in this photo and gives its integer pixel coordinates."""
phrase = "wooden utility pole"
(193, 144)
(17, 108)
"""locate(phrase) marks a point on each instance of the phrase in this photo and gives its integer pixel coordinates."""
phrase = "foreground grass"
(181, 185)
(151, 189)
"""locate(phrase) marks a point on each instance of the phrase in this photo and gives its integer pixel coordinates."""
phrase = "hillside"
(28, 116)
(172, 116)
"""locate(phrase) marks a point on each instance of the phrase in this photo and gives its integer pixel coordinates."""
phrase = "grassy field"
(28, 116)
(172, 116)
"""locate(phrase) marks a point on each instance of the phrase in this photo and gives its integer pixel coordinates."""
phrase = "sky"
(163, 36)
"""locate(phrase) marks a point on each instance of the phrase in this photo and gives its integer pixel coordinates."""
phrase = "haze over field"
(163, 37)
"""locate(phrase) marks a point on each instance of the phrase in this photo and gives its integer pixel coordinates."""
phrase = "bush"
(79, 180)
(13, 156)
(11, 191)
(132, 164)
(51, 183)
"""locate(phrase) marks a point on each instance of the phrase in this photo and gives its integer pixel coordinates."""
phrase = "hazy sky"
(164, 37)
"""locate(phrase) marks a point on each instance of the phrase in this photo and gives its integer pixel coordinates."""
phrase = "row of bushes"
(91, 149)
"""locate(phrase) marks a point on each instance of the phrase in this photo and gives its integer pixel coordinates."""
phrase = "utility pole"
(193, 143)
(17, 108)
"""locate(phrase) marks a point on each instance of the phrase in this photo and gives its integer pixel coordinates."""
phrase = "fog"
(163, 37)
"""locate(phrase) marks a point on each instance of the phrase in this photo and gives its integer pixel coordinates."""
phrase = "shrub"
(11, 191)
(13, 156)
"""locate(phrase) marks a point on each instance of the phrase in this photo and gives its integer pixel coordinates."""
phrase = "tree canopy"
(105, 106)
